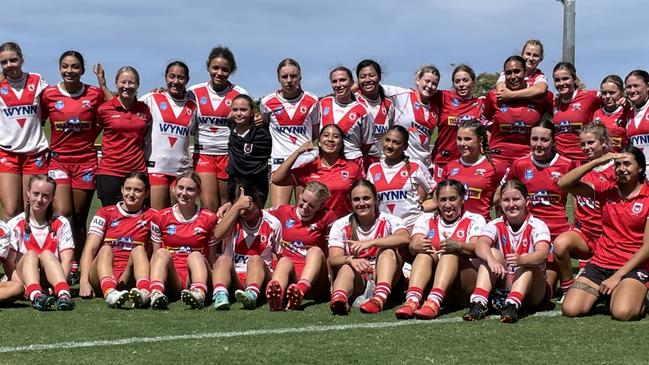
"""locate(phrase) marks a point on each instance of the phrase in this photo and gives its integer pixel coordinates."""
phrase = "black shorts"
(597, 274)
(109, 189)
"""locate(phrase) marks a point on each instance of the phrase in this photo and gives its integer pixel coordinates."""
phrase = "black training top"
(249, 154)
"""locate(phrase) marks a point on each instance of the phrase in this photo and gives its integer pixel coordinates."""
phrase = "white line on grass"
(200, 336)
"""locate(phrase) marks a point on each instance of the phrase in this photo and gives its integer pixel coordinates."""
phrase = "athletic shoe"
(116, 298)
(64, 303)
(221, 301)
(429, 310)
(509, 314)
(73, 278)
(247, 298)
(367, 294)
(407, 310)
(159, 300)
(476, 312)
(139, 297)
(372, 306)
(193, 298)
(42, 302)
(275, 296)
(294, 296)
(339, 305)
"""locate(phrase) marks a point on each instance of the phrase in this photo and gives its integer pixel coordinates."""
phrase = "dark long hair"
(353, 219)
(49, 213)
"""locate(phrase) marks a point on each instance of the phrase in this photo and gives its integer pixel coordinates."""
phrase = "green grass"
(595, 339)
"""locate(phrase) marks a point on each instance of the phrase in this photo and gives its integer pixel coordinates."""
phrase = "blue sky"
(611, 36)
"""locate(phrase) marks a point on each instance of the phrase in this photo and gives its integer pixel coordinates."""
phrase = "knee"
(222, 262)
(625, 312)
(105, 252)
(138, 250)
(255, 261)
(561, 245)
(570, 309)
(388, 254)
(161, 255)
(315, 252)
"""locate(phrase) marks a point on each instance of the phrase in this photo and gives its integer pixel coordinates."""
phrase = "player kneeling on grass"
(302, 262)
(363, 246)
(250, 236)
(118, 247)
(444, 243)
(185, 234)
(513, 250)
(44, 246)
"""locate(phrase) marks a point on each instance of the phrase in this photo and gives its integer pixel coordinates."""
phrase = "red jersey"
(569, 118)
(548, 201)
(181, 236)
(588, 211)
(623, 227)
(122, 230)
(123, 140)
(615, 124)
(299, 236)
(452, 108)
(244, 242)
(511, 123)
(338, 179)
(480, 179)
(73, 122)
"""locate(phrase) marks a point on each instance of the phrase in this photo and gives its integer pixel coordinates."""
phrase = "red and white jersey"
(615, 123)
(212, 114)
(548, 200)
(41, 239)
(6, 238)
(511, 123)
(355, 121)
(452, 108)
(122, 230)
(418, 118)
(244, 242)
(338, 179)
(433, 227)
(382, 111)
(536, 77)
(290, 122)
(384, 225)
(523, 241)
(298, 236)
(570, 117)
(480, 179)
(73, 121)
(588, 211)
(637, 129)
(182, 236)
(398, 188)
(173, 120)
(623, 226)
(20, 102)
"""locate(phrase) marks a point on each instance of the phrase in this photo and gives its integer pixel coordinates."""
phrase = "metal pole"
(569, 31)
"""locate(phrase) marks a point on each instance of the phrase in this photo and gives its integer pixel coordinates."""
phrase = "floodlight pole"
(568, 30)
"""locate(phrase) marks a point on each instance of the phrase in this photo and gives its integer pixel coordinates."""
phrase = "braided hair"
(49, 213)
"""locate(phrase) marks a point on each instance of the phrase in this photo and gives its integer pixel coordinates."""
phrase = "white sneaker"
(159, 300)
(139, 297)
(193, 298)
(117, 298)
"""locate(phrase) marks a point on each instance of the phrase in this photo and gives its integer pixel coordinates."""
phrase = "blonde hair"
(424, 69)
(318, 189)
(533, 42)
(125, 69)
(191, 175)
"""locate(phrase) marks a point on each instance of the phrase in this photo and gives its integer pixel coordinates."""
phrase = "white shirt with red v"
(637, 129)
(397, 187)
(41, 239)
(244, 242)
(354, 120)
(463, 229)
(6, 239)
(382, 111)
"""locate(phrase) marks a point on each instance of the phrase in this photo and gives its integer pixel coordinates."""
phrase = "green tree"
(484, 82)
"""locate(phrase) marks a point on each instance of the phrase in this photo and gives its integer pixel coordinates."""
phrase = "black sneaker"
(73, 278)
(65, 303)
(509, 314)
(476, 312)
(42, 302)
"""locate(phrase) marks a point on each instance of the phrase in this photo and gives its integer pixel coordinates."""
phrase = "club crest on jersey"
(142, 223)
(404, 173)
(460, 234)
(198, 230)
(303, 109)
(504, 108)
(114, 223)
(247, 148)
(228, 102)
(87, 176)
(377, 176)
(576, 106)
(4, 90)
(637, 208)
(325, 111)
(456, 102)
(141, 116)
(85, 104)
(59, 104)
(263, 238)
(480, 172)
(164, 106)
(529, 174)
(171, 230)
(555, 175)
(344, 175)
(503, 239)
(313, 227)
(642, 276)
(455, 171)
(31, 87)
(290, 223)
(203, 100)
(525, 243)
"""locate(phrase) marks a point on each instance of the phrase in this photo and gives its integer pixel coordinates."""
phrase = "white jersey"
(167, 145)
(20, 119)
(41, 239)
(354, 120)
(382, 111)
(417, 117)
(6, 239)
(212, 114)
(290, 122)
(637, 129)
(244, 242)
(462, 230)
(398, 185)
(384, 225)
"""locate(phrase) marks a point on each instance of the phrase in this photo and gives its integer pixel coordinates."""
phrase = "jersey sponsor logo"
(637, 208)
(220, 121)
(430, 234)
(518, 127)
(73, 125)
(203, 100)
(555, 175)
(544, 197)
(456, 102)
(291, 129)
(452, 121)
(392, 195)
(240, 259)
(59, 105)
(170, 128)
(472, 193)
(313, 227)
(290, 223)
(529, 174)
(640, 139)
(326, 111)
(566, 126)
(198, 230)
(380, 129)
(576, 106)
(171, 230)
(18, 111)
(98, 221)
(57, 174)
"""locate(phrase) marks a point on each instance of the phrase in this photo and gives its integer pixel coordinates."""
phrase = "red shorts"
(161, 180)
(589, 241)
(78, 175)
(180, 264)
(21, 163)
(120, 262)
(214, 164)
